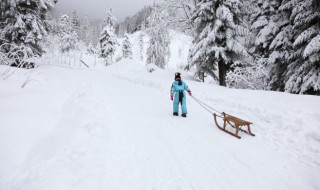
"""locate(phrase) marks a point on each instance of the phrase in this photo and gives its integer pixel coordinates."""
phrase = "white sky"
(96, 9)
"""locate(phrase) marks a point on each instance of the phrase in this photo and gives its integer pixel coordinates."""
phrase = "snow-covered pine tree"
(272, 41)
(108, 40)
(303, 72)
(253, 74)
(158, 52)
(23, 27)
(203, 19)
(75, 22)
(67, 36)
(265, 24)
(64, 25)
(219, 28)
(110, 20)
(141, 45)
(126, 47)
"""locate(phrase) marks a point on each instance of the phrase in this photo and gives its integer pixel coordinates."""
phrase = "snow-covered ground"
(112, 128)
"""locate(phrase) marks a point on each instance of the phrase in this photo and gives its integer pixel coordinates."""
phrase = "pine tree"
(127, 48)
(219, 28)
(265, 22)
(110, 20)
(23, 27)
(67, 36)
(141, 45)
(158, 52)
(303, 73)
(64, 25)
(108, 40)
(75, 22)
(272, 43)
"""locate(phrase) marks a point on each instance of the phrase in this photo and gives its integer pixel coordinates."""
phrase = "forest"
(248, 44)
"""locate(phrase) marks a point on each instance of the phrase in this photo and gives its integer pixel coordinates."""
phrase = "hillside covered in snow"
(113, 128)
(86, 103)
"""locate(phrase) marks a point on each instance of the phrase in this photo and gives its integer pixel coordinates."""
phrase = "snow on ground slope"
(112, 128)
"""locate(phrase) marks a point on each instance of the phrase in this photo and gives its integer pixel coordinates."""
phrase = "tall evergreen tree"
(126, 47)
(23, 26)
(273, 40)
(68, 37)
(303, 73)
(108, 40)
(110, 20)
(64, 25)
(158, 52)
(141, 45)
(75, 22)
(219, 28)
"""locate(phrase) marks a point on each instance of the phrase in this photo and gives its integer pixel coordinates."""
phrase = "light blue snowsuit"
(176, 89)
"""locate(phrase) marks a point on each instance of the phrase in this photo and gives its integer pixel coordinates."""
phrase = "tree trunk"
(222, 72)
(201, 76)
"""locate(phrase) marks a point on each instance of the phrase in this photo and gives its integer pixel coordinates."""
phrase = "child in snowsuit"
(177, 90)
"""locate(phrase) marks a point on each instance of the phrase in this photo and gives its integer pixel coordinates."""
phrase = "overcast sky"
(98, 8)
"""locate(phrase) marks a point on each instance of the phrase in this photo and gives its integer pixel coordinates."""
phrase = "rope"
(206, 106)
(202, 105)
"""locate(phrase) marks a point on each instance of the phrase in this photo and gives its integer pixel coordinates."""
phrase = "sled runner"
(235, 123)
(228, 119)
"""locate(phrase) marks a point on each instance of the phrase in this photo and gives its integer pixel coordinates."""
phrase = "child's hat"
(177, 75)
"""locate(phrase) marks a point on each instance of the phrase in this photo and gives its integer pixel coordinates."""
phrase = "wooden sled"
(235, 123)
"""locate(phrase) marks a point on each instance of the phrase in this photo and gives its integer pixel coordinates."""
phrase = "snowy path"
(115, 130)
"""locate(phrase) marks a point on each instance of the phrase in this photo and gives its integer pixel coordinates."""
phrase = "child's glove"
(171, 97)
(190, 93)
